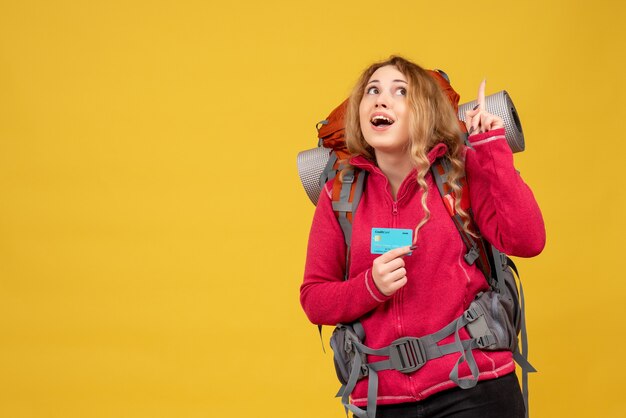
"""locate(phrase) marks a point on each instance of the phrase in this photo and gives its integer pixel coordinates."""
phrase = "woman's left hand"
(478, 119)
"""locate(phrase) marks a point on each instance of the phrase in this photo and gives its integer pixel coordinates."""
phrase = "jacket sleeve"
(326, 297)
(504, 207)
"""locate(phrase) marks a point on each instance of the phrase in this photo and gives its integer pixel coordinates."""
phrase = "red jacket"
(441, 285)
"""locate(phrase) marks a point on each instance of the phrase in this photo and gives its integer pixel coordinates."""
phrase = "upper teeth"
(381, 117)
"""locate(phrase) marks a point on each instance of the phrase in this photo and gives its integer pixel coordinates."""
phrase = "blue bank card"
(385, 239)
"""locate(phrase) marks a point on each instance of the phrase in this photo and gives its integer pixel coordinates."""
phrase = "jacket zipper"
(394, 213)
(397, 301)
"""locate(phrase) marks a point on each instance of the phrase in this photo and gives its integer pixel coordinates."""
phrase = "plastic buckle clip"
(472, 255)
(504, 261)
(473, 312)
(485, 341)
(407, 354)
(348, 177)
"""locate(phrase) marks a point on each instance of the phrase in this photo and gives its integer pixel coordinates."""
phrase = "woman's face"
(384, 111)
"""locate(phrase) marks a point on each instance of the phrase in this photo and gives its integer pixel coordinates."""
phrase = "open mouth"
(381, 121)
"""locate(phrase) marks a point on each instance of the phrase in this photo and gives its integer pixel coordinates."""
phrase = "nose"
(381, 101)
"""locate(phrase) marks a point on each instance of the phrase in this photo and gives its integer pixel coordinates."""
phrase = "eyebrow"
(378, 81)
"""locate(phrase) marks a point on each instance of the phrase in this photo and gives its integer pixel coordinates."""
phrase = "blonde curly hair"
(432, 120)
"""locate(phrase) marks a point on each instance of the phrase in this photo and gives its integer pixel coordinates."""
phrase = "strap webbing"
(329, 172)
(344, 206)
(521, 357)
(358, 191)
(352, 185)
(440, 172)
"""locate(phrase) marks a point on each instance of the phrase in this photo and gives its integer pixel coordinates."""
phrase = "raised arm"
(504, 207)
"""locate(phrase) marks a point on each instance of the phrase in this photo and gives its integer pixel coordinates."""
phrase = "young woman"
(398, 123)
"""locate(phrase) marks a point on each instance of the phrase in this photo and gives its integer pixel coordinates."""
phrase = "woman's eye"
(401, 91)
(372, 90)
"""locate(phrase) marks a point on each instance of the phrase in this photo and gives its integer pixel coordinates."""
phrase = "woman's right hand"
(388, 271)
(478, 120)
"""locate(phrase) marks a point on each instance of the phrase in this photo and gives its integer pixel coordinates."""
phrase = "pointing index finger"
(481, 95)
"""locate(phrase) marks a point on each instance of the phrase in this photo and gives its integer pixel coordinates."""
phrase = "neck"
(395, 167)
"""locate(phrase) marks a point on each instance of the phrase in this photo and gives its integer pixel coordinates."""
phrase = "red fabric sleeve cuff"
(486, 135)
(372, 289)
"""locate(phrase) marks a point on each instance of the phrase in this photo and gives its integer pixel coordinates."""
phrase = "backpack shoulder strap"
(348, 185)
(478, 251)
(348, 188)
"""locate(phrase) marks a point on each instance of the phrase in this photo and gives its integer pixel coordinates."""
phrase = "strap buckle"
(472, 255)
(473, 312)
(504, 261)
(407, 354)
(348, 177)
(485, 340)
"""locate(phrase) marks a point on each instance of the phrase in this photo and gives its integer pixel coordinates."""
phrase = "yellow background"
(153, 227)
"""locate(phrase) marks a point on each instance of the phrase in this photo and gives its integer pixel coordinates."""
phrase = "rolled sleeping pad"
(311, 163)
